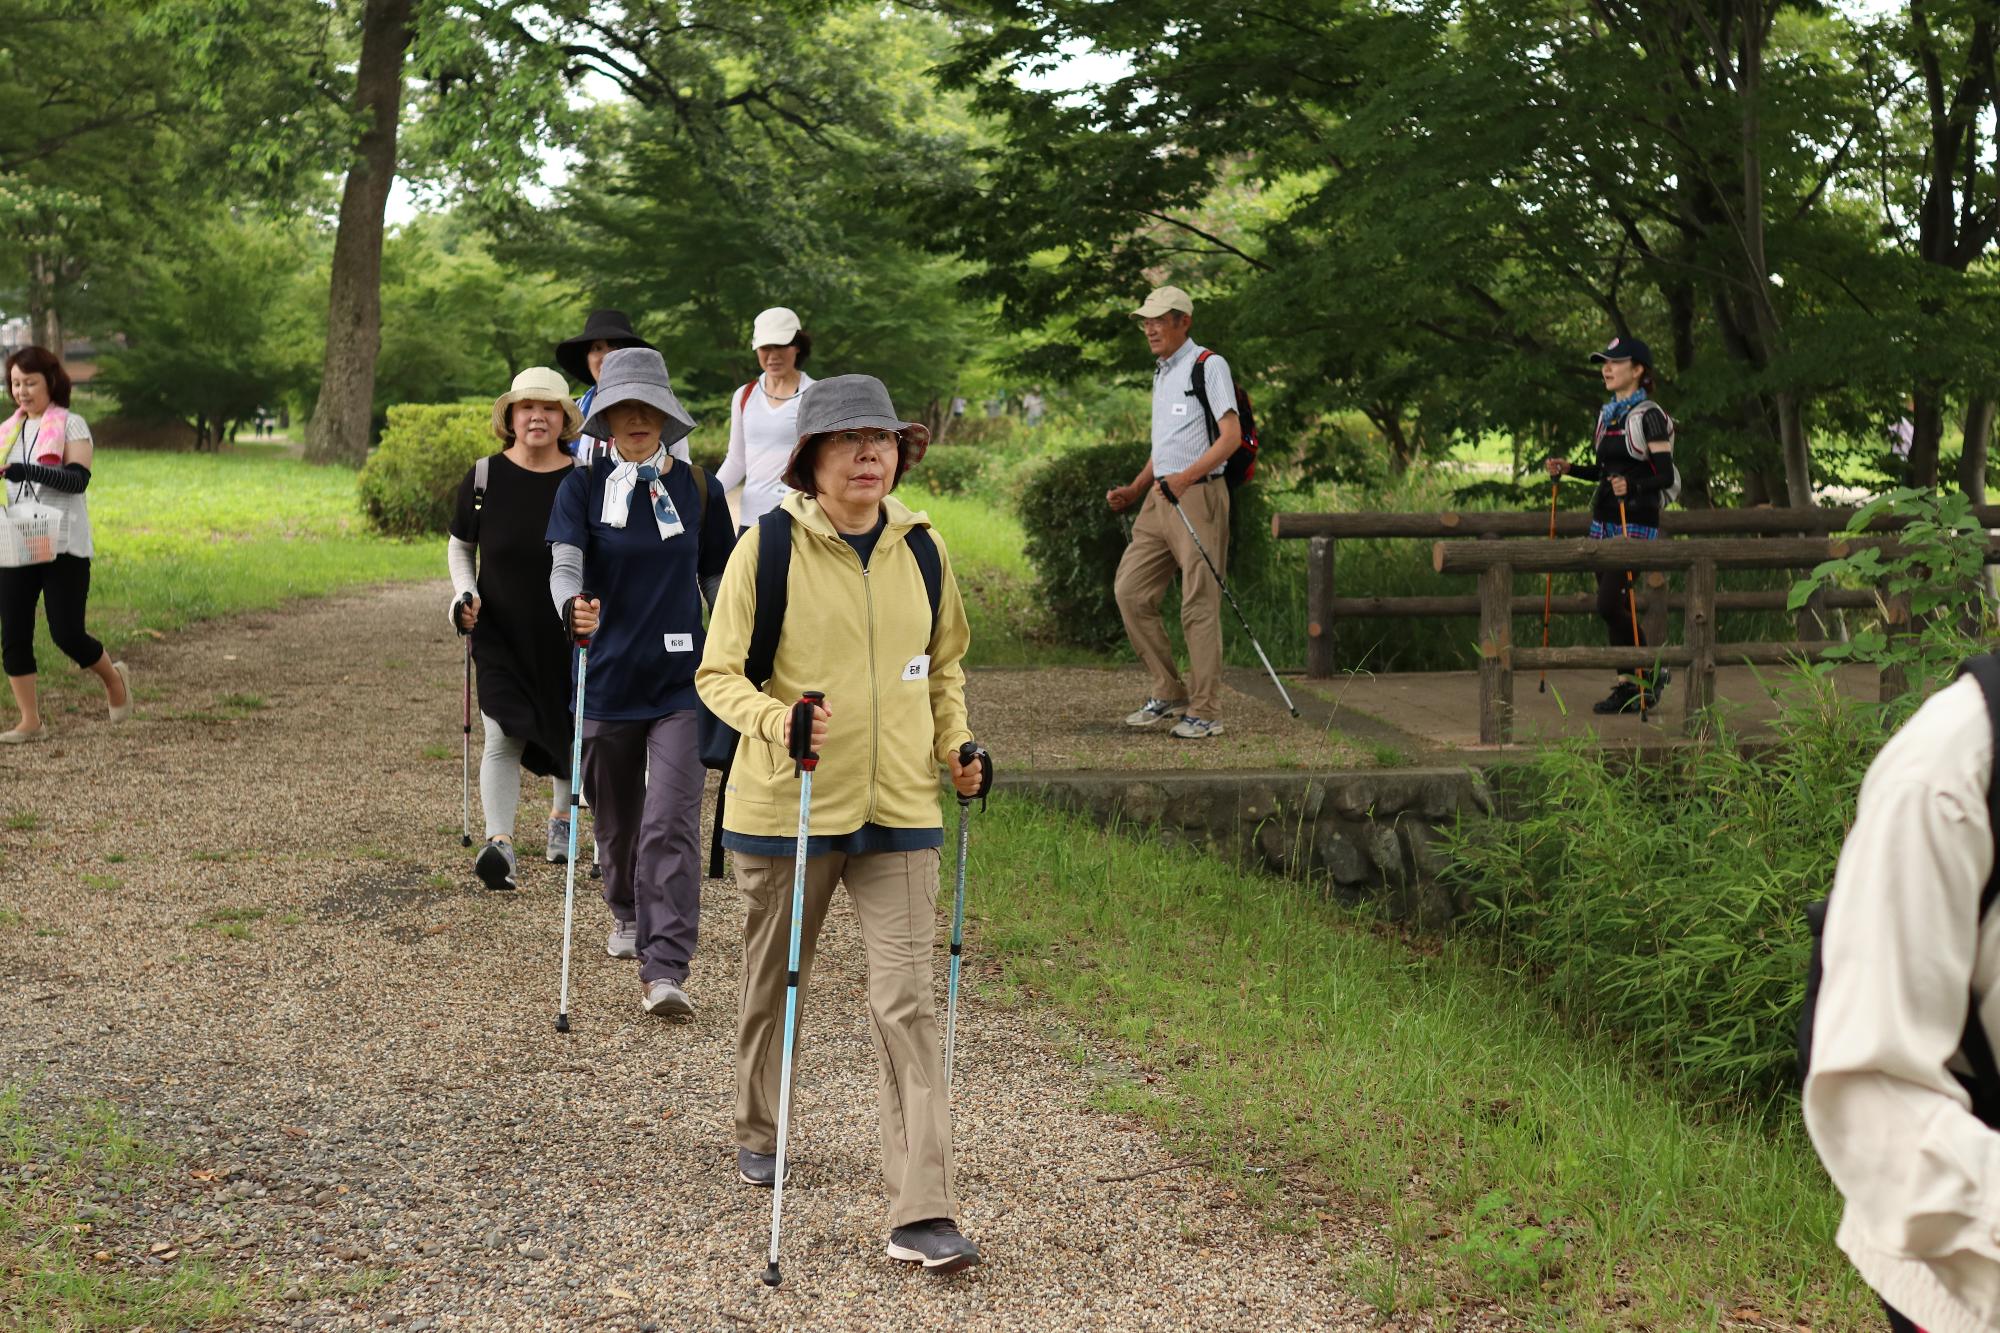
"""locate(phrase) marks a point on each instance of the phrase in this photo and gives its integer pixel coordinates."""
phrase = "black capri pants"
(64, 585)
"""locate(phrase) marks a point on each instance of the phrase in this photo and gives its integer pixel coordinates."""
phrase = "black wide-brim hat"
(637, 375)
(573, 354)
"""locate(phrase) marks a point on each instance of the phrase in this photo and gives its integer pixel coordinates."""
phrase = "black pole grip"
(804, 760)
(458, 615)
(569, 617)
(968, 754)
(1168, 491)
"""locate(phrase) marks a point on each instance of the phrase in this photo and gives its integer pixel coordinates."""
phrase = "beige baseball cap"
(1162, 299)
(775, 327)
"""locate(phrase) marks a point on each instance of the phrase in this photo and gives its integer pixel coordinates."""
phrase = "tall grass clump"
(1664, 904)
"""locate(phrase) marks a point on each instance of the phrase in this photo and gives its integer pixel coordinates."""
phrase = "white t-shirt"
(76, 538)
(761, 440)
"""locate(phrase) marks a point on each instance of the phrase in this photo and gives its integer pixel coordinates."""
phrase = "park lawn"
(1275, 1036)
(988, 554)
(184, 537)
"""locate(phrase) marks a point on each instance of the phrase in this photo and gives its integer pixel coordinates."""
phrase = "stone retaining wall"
(1368, 835)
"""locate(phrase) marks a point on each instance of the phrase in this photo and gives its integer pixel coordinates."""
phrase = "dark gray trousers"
(649, 832)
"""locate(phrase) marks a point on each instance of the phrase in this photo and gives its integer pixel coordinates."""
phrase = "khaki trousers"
(895, 899)
(1161, 549)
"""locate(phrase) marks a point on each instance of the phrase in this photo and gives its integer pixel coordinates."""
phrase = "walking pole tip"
(562, 1022)
(771, 1275)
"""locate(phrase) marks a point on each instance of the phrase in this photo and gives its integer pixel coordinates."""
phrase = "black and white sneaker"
(495, 865)
(759, 1168)
(936, 1244)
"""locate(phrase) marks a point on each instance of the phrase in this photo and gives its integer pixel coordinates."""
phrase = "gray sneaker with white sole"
(623, 941)
(495, 865)
(936, 1244)
(557, 852)
(665, 998)
(1156, 710)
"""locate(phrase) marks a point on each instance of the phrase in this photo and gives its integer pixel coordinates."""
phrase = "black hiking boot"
(936, 1244)
(759, 1168)
(1624, 698)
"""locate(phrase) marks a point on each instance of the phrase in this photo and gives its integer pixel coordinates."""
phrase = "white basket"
(31, 535)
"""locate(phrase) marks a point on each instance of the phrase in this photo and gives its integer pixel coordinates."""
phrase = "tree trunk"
(44, 319)
(338, 432)
(1979, 414)
(1921, 469)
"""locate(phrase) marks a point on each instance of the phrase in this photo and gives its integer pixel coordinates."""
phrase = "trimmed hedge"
(1074, 540)
(409, 483)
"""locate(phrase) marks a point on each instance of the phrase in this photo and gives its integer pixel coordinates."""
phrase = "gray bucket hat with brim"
(637, 375)
(852, 402)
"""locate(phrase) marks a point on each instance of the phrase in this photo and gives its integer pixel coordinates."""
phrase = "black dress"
(519, 646)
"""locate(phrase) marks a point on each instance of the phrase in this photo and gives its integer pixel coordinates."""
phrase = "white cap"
(1162, 299)
(775, 327)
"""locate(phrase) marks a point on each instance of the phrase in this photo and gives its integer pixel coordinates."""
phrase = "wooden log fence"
(1325, 608)
(1496, 562)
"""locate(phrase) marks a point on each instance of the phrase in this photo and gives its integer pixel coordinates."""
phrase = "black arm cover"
(70, 478)
(1586, 471)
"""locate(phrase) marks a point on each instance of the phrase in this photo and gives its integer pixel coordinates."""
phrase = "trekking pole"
(1632, 601)
(575, 790)
(465, 744)
(968, 754)
(1548, 589)
(1241, 618)
(804, 761)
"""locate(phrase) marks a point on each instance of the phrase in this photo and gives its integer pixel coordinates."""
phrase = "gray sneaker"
(1156, 710)
(759, 1168)
(665, 998)
(495, 865)
(935, 1244)
(623, 941)
(558, 849)
(1192, 728)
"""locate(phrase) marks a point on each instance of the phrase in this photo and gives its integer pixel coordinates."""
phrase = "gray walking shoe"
(495, 865)
(558, 851)
(1156, 710)
(936, 1244)
(623, 941)
(665, 998)
(1192, 728)
(759, 1168)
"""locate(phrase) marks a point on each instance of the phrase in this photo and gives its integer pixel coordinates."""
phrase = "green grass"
(23, 821)
(1507, 1156)
(56, 1270)
(103, 883)
(231, 923)
(184, 537)
(986, 545)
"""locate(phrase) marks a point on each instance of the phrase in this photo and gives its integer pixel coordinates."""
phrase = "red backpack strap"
(743, 399)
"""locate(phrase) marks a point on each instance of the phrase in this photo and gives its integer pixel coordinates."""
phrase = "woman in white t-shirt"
(48, 454)
(764, 415)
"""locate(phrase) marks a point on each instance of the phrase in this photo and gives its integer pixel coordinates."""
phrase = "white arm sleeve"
(736, 464)
(461, 558)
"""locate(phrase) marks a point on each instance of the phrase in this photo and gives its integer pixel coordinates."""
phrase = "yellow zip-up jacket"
(895, 691)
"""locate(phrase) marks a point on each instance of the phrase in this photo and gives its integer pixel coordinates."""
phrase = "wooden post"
(1815, 620)
(1496, 655)
(1699, 618)
(1653, 606)
(1319, 608)
(1895, 622)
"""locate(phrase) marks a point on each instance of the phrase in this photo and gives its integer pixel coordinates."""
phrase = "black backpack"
(1983, 1083)
(774, 570)
(1242, 465)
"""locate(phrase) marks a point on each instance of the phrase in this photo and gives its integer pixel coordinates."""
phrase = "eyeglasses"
(853, 441)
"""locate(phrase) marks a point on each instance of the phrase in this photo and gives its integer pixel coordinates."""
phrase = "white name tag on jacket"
(919, 668)
(1180, 409)
(680, 643)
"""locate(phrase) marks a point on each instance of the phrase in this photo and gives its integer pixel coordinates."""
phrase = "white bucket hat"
(775, 327)
(537, 384)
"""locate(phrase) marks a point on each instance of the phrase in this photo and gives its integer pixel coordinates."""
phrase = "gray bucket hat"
(637, 375)
(850, 402)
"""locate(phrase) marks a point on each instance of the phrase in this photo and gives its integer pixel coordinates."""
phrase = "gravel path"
(377, 1123)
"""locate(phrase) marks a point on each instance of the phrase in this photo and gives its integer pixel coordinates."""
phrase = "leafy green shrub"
(951, 471)
(409, 483)
(1075, 541)
(1665, 903)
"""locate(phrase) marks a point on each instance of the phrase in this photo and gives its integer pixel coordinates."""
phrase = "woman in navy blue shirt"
(648, 535)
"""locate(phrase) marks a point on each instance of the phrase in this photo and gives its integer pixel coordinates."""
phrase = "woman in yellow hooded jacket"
(862, 626)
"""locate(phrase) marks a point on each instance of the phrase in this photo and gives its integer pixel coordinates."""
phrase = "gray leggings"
(500, 781)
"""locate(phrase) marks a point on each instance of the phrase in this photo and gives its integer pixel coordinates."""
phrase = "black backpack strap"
(774, 573)
(1198, 386)
(700, 498)
(1976, 1046)
(924, 547)
(480, 471)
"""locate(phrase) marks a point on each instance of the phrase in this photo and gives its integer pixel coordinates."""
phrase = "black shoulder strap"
(700, 498)
(924, 548)
(480, 471)
(774, 573)
(1198, 386)
(1978, 1049)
